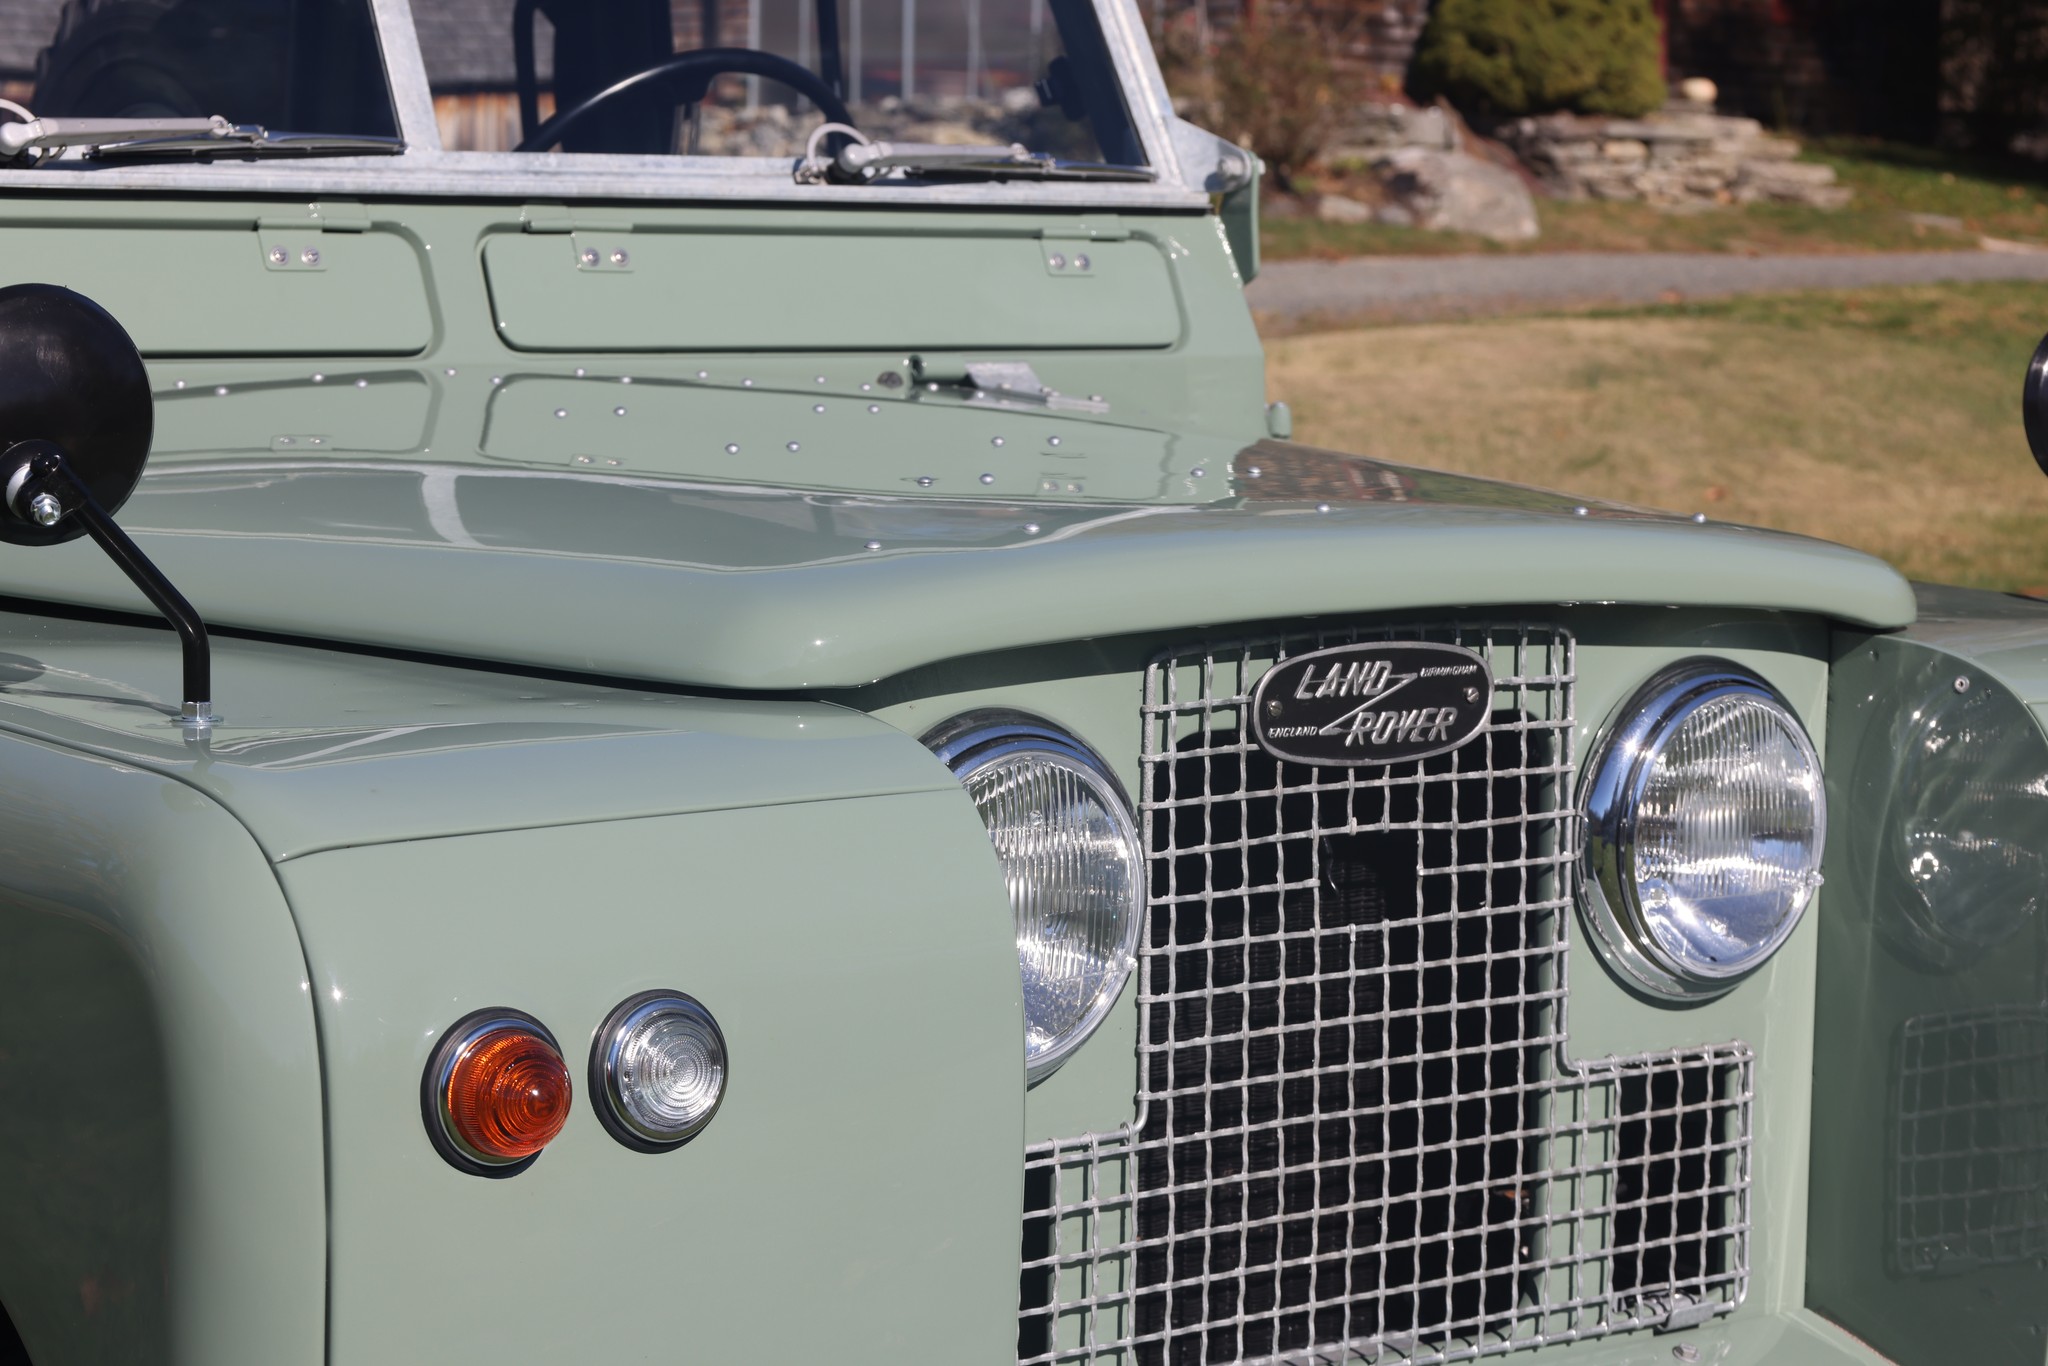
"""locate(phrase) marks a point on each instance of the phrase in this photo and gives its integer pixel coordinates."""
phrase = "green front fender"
(856, 1198)
(1929, 1217)
(161, 1185)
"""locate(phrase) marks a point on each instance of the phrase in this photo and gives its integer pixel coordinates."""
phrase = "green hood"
(756, 538)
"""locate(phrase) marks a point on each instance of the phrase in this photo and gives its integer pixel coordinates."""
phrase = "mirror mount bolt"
(45, 510)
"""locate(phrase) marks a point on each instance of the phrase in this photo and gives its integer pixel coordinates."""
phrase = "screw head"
(874, 545)
(1031, 528)
(278, 256)
(311, 256)
(620, 258)
(589, 256)
(925, 481)
(1081, 261)
(1685, 1351)
(890, 379)
(1273, 706)
(988, 479)
(1052, 441)
(45, 509)
(1962, 683)
(1058, 260)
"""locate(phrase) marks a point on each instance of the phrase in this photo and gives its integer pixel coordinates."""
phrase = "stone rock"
(1375, 127)
(1682, 158)
(1335, 208)
(1803, 173)
(1699, 90)
(1790, 182)
(1454, 192)
(1768, 149)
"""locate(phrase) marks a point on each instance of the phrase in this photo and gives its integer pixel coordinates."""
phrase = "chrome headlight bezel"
(973, 741)
(1613, 787)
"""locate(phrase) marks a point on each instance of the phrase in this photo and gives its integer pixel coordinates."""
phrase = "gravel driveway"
(1414, 288)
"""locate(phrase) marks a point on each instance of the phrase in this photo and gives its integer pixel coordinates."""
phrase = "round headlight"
(1070, 850)
(658, 1067)
(1706, 818)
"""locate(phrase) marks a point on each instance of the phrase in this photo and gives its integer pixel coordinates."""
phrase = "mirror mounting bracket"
(39, 487)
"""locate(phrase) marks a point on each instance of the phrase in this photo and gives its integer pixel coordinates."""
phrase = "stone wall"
(1675, 159)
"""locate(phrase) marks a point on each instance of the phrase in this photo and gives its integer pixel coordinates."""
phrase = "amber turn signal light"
(495, 1092)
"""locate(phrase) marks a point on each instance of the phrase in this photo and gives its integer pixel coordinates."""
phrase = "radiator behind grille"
(1356, 1139)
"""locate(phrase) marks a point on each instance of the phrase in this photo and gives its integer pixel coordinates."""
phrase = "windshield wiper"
(149, 137)
(863, 162)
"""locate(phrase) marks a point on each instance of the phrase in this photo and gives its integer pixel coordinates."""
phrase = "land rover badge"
(1358, 705)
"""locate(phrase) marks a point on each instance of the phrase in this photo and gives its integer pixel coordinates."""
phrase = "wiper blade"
(149, 137)
(860, 162)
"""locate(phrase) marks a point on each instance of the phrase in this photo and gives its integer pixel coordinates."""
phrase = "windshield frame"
(424, 167)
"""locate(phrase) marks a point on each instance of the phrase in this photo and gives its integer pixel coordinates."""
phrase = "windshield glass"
(756, 77)
(296, 65)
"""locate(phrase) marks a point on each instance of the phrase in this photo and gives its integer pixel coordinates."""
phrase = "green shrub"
(1497, 58)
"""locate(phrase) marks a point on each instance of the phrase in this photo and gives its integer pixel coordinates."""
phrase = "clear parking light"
(1706, 818)
(658, 1068)
(1070, 851)
(496, 1092)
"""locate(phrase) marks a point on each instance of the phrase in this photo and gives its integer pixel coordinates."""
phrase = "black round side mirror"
(2034, 405)
(70, 376)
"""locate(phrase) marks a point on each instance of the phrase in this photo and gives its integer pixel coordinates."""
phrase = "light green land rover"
(790, 768)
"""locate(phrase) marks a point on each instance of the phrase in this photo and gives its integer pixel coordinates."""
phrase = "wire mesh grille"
(1971, 1155)
(1357, 1137)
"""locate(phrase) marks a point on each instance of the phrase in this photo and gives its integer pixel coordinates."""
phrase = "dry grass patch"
(1884, 419)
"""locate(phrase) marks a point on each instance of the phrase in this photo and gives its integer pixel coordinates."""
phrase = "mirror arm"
(41, 489)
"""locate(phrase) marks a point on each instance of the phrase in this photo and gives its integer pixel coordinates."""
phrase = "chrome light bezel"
(434, 1089)
(605, 1046)
(971, 742)
(1613, 787)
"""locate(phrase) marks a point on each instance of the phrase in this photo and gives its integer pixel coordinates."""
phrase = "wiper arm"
(860, 162)
(146, 137)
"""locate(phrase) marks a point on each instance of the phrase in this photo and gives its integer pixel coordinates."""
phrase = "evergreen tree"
(1500, 58)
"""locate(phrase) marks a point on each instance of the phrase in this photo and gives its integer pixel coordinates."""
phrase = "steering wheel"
(686, 78)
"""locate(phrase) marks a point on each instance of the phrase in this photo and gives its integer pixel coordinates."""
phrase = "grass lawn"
(1987, 199)
(1886, 419)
